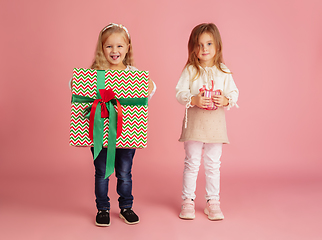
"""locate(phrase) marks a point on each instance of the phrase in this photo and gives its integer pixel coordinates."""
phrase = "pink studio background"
(271, 171)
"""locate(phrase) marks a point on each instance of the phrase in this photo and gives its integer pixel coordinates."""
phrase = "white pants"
(211, 156)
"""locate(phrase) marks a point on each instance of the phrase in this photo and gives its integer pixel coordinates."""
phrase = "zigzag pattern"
(130, 84)
(134, 128)
(79, 134)
(84, 82)
(135, 118)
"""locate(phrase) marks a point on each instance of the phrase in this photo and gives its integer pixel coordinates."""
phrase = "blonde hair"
(193, 46)
(100, 62)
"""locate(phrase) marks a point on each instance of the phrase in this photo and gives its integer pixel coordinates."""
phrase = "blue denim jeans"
(123, 168)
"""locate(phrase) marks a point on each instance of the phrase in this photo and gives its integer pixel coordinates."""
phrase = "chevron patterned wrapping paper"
(125, 84)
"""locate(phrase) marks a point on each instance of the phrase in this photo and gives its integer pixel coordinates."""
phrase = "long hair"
(193, 47)
(100, 62)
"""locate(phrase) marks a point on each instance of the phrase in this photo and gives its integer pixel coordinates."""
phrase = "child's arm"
(151, 88)
(184, 95)
(70, 83)
(230, 92)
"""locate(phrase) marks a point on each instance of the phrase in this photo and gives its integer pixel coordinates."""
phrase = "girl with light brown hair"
(204, 126)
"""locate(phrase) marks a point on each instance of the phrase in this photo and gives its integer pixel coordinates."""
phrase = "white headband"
(117, 25)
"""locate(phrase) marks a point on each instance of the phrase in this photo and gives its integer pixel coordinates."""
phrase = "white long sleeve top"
(186, 88)
(208, 126)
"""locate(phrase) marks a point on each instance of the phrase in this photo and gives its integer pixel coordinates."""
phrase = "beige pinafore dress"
(208, 126)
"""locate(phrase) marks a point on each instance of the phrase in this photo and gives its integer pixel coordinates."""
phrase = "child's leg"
(101, 184)
(212, 154)
(123, 169)
(191, 167)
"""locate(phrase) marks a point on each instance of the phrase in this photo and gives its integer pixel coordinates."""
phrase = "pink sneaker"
(187, 209)
(213, 210)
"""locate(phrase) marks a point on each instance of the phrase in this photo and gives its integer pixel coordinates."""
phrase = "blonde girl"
(204, 131)
(114, 51)
(103, 61)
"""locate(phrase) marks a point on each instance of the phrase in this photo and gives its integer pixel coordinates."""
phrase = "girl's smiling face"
(115, 49)
(206, 50)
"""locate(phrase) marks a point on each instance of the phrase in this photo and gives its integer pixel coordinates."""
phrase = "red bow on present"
(205, 89)
(106, 96)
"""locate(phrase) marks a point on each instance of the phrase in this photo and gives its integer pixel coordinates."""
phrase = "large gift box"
(109, 109)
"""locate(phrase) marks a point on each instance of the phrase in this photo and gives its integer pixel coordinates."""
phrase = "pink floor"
(62, 207)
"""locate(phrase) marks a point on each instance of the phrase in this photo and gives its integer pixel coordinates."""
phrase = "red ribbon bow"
(106, 96)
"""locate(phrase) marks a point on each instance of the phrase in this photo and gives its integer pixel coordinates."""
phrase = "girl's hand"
(200, 101)
(70, 84)
(150, 86)
(220, 100)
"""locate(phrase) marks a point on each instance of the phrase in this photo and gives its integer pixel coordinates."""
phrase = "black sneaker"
(103, 218)
(129, 216)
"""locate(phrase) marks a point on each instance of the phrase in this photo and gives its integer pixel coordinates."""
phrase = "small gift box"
(109, 109)
(210, 93)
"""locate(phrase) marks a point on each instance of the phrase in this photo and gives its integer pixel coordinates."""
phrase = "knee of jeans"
(100, 167)
(99, 174)
(124, 175)
(100, 171)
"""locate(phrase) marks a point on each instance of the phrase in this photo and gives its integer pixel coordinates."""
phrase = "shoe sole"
(102, 224)
(131, 223)
(212, 219)
(186, 217)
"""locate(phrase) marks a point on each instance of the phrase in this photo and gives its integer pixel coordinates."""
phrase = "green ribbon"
(123, 101)
(99, 122)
